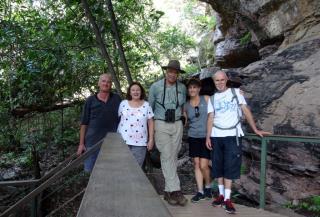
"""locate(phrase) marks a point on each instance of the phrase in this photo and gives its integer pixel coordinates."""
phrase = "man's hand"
(81, 149)
(186, 122)
(150, 145)
(241, 92)
(208, 143)
(262, 133)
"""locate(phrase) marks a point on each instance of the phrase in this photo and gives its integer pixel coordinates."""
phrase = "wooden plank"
(118, 187)
(204, 209)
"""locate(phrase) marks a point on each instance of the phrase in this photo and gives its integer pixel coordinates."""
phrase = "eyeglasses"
(196, 110)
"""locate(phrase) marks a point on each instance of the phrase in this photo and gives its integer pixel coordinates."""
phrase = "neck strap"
(164, 94)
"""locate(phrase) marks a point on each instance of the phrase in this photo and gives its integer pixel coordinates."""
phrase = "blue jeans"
(90, 160)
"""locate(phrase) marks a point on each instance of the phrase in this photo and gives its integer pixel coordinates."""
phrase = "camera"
(170, 116)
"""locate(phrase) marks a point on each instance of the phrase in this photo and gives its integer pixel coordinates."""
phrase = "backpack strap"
(212, 100)
(238, 114)
(235, 96)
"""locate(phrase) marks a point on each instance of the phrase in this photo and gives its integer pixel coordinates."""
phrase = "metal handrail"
(263, 156)
(33, 182)
(51, 180)
(19, 183)
(68, 164)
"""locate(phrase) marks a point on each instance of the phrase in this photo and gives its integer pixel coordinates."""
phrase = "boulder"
(282, 88)
(269, 20)
(283, 92)
(231, 53)
(267, 50)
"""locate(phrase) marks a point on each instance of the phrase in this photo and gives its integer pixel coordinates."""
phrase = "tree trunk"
(115, 54)
(101, 43)
(116, 34)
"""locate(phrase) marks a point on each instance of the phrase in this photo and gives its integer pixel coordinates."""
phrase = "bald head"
(220, 79)
(220, 74)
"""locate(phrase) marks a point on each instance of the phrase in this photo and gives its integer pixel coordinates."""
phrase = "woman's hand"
(208, 143)
(150, 145)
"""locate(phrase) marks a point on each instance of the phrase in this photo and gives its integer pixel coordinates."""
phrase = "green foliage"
(202, 22)
(49, 56)
(49, 51)
(6, 157)
(42, 133)
(191, 68)
(205, 22)
(206, 50)
(246, 38)
(10, 159)
(33, 139)
(174, 42)
(243, 170)
(311, 204)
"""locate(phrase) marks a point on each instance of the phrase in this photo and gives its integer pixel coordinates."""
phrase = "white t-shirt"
(225, 113)
(133, 123)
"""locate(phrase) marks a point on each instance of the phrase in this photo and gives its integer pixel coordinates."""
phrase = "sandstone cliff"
(280, 65)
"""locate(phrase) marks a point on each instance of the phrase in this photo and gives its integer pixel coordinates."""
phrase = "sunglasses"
(196, 110)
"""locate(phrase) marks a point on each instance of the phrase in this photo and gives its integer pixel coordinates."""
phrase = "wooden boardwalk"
(204, 209)
(119, 188)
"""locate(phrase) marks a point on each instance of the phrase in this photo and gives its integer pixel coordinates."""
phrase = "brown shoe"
(169, 198)
(178, 196)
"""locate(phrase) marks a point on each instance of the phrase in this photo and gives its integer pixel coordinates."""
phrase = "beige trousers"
(168, 138)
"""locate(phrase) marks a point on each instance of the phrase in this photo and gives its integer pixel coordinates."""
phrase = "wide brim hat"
(173, 64)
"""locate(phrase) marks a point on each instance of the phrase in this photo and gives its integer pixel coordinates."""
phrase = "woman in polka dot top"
(136, 122)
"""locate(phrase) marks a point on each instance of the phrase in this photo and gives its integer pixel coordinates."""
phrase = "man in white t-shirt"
(224, 134)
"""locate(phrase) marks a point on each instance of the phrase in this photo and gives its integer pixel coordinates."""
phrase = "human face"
(193, 90)
(105, 83)
(135, 92)
(220, 80)
(171, 76)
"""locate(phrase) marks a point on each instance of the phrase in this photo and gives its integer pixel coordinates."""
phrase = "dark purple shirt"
(100, 117)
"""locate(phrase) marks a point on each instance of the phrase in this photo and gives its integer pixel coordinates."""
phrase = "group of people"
(214, 129)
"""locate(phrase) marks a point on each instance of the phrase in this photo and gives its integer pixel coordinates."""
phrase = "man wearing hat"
(166, 98)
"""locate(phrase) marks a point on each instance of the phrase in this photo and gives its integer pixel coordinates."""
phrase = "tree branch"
(117, 37)
(20, 112)
(101, 44)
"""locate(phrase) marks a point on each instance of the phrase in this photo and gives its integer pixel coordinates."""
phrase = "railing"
(112, 160)
(117, 185)
(47, 180)
(263, 156)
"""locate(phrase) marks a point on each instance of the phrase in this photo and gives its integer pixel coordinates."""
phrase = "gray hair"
(105, 75)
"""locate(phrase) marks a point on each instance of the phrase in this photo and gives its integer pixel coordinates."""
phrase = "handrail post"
(263, 166)
(34, 204)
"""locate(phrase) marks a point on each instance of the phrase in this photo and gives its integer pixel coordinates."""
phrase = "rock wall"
(283, 94)
(282, 87)
(267, 21)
